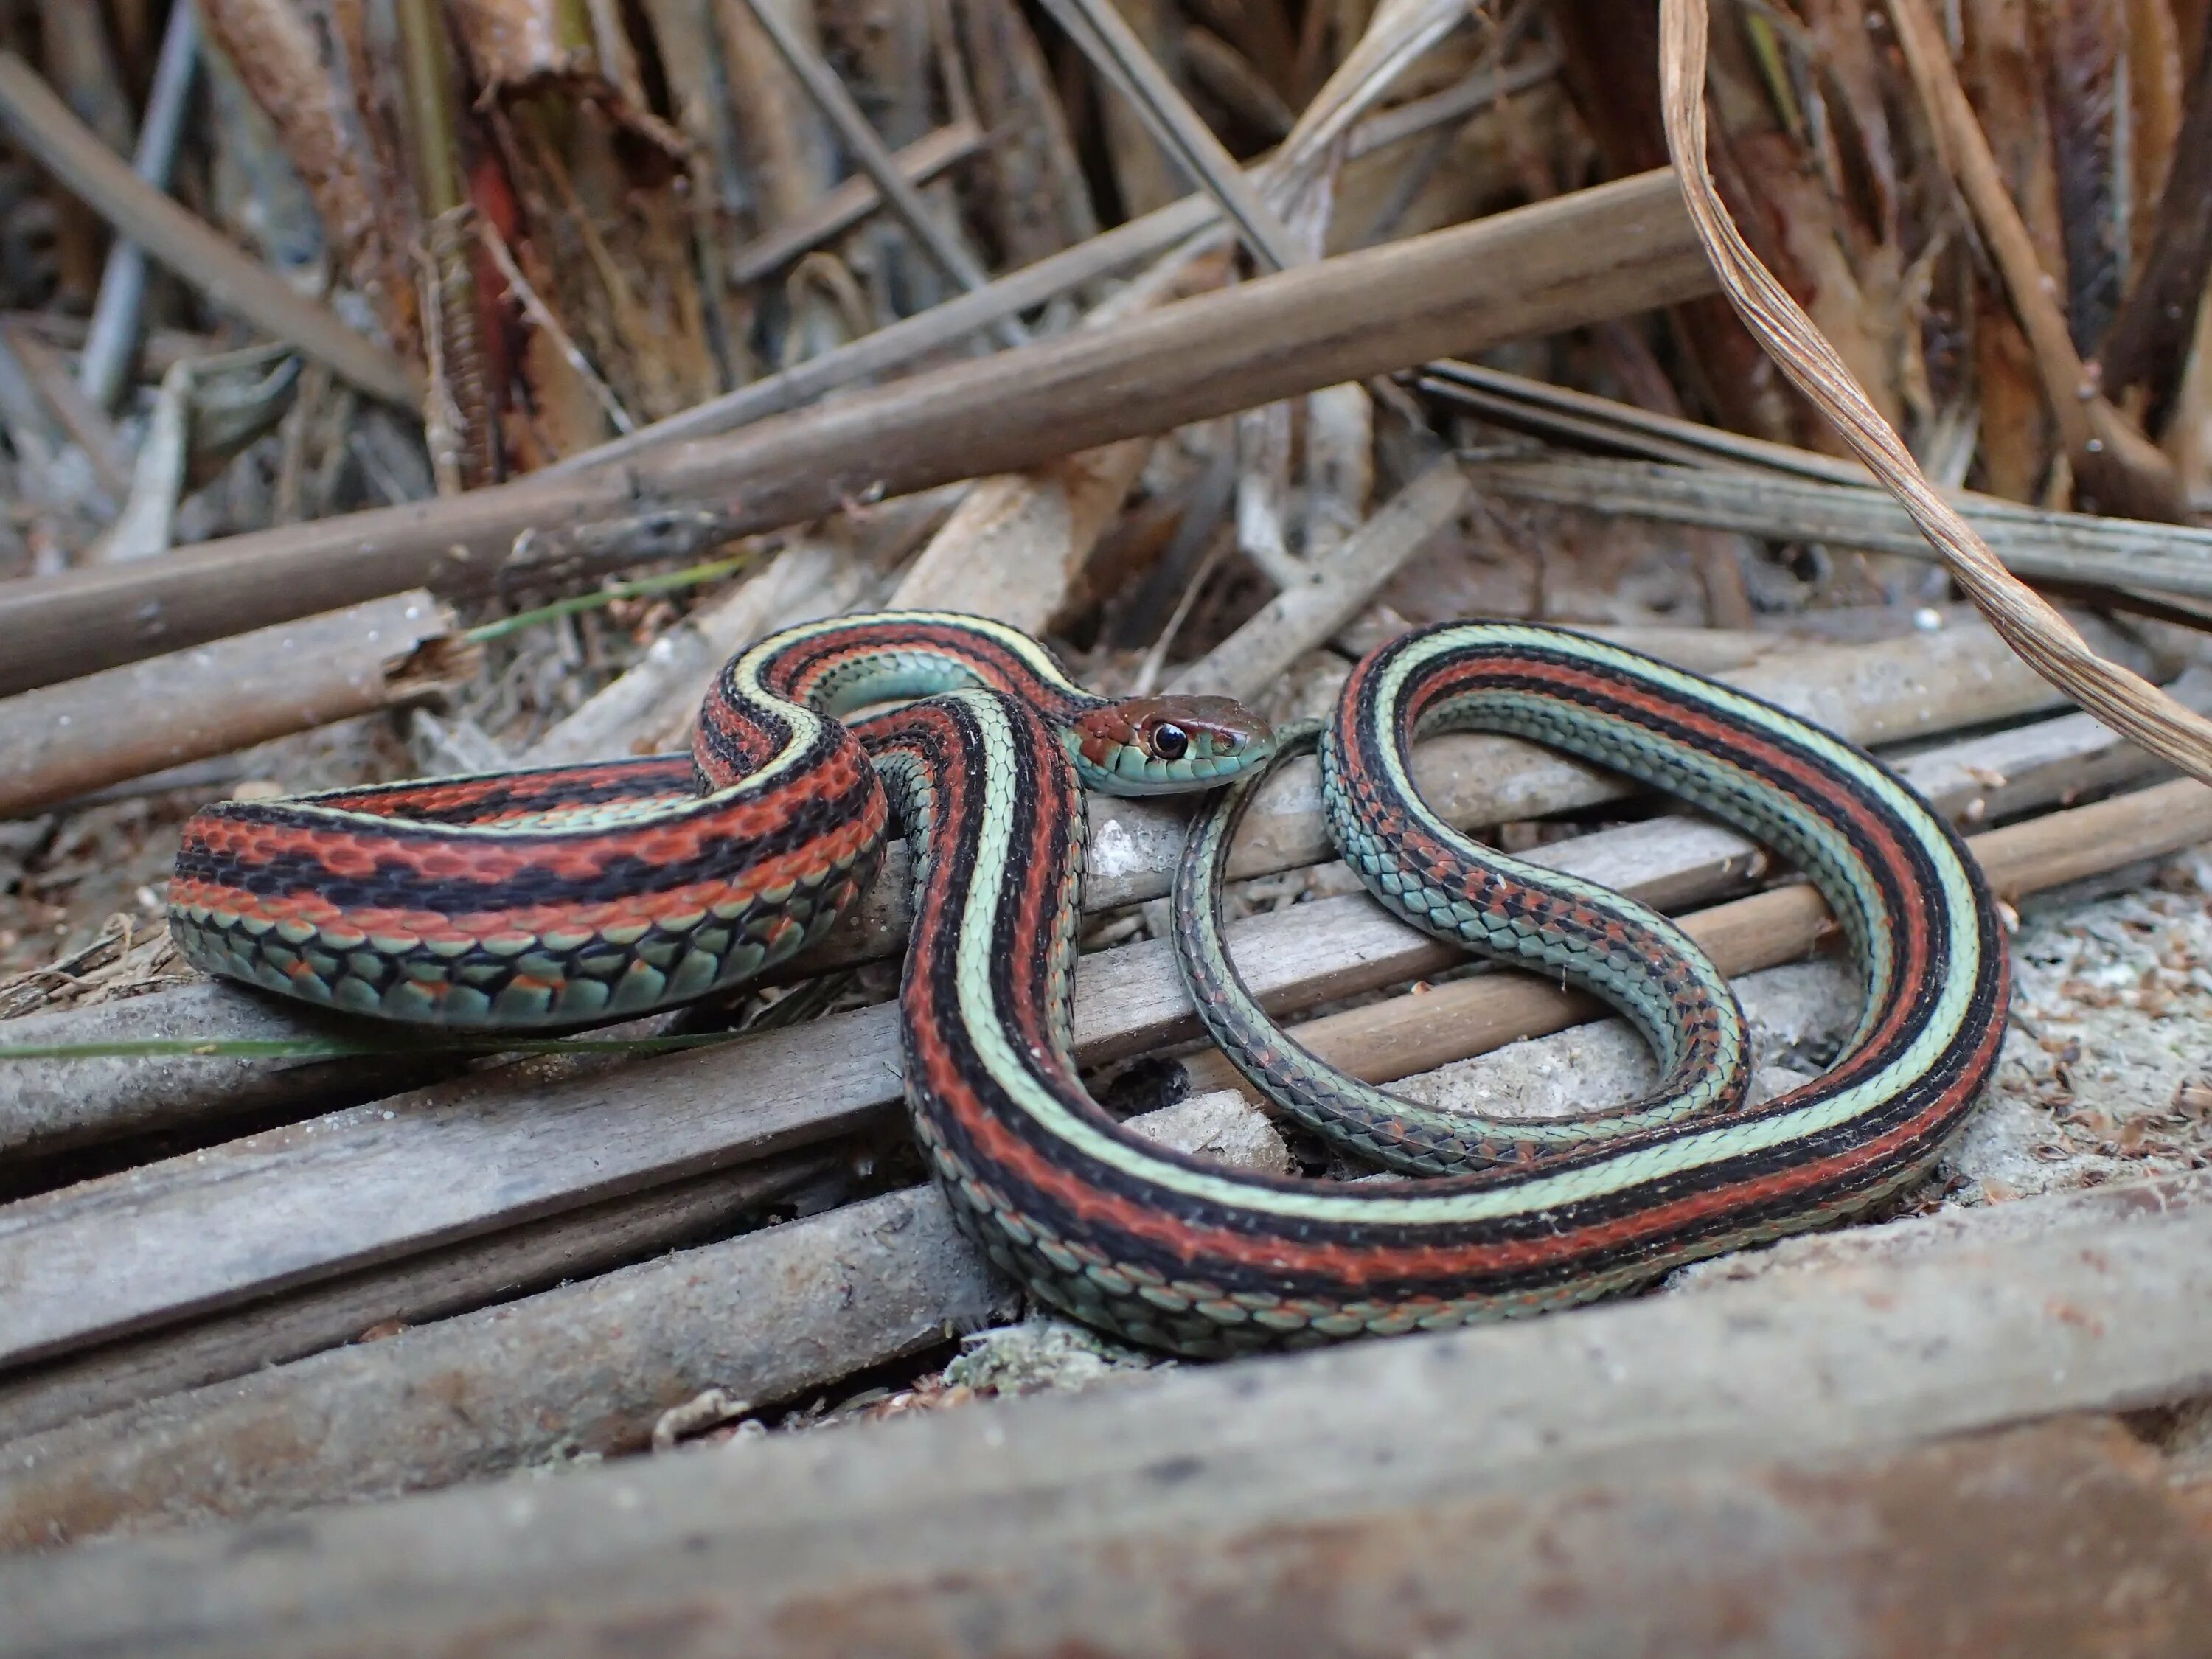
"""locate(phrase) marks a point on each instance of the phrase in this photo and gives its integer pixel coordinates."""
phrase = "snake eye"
(1171, 742)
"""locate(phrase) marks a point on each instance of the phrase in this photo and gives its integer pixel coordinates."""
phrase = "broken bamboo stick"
(1599, 253)
(67, 740)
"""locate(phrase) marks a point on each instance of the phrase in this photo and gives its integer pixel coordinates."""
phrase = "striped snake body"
(521, 887)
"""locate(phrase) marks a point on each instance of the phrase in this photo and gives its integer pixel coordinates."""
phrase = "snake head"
(1166, 746)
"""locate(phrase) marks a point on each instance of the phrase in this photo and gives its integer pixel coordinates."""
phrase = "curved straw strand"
(2044, 638)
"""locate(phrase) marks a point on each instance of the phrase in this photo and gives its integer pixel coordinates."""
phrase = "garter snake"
(1162, 1248)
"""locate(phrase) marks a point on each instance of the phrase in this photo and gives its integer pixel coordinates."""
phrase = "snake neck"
(776, 695)
(980, 787)
(847, 663)
(772, 696)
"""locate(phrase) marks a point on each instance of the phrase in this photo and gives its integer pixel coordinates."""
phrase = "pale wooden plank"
(435, 1283)
(584, 1370)
(727, 1550)
(580, 1370)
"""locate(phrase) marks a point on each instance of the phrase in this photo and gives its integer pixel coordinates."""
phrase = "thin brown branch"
(830, 96)
(1113, 47)
(2149, 341)
(43, 124)
(1618, 248)
(85, 421)
(918, 162)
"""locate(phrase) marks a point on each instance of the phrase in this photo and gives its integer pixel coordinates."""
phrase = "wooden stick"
(63, 740)
(1797, 1008)
(1599, 253)
(86, 422)
(1669, 1560)
(2070, 547)
(1564, 413)
(43, 124)
(865, 1285)
(112, 331)
(1301, 617)
(2149, 338)
(2112, 461)
(26, 417)
(1115, 51)
(944, 249)
(1123, 1519)
(868, 1283)
(845, 206)
(438, 1284)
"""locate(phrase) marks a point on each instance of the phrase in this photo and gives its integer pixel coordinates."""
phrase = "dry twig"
(2113, 462)
(42, 124)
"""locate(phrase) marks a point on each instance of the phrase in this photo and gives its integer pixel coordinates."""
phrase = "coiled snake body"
(577, 893)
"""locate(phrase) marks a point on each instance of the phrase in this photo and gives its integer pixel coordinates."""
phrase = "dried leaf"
(338, 136)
